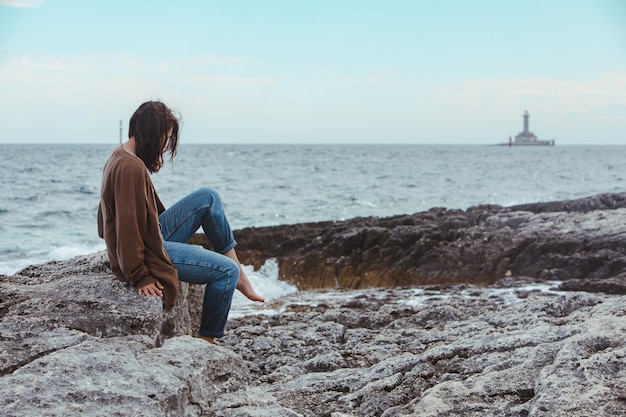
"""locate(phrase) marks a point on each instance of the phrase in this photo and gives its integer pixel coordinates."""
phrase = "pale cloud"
(213, 60)
(225, 94)
(386, 76)
(366, 80)
(93, 67)
(21, 4)
(598, 100)
(226, 80)
(97, 89)
(69, 65)
(490, 110)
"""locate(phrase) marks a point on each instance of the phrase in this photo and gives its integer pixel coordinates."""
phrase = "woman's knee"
(208, 196)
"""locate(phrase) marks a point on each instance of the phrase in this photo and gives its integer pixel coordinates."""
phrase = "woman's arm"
(131, 216)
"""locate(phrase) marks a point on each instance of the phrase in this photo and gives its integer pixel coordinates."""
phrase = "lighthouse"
(526, 116)
(525, 136)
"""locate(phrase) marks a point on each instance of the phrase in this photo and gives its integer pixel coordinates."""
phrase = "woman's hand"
(153, 289)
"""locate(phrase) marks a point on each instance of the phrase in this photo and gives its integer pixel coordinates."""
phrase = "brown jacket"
(128, 221)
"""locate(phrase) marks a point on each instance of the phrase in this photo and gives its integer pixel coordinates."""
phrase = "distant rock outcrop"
(567, 240)
(74, 341)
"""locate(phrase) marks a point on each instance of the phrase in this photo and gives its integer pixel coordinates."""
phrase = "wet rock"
(579, 239)
(611, 285)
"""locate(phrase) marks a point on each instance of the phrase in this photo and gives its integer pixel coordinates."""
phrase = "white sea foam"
(507, 295)
(12, 265)
(265, 282)
(287, 302)
(67, 252)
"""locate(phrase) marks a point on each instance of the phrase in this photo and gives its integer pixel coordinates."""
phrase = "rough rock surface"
(75, 341)
(460, 351)
(566, 240)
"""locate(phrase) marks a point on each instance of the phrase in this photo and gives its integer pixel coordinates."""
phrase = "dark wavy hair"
(150, 125)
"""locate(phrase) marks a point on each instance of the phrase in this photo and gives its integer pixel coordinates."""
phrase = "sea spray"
(265, 282)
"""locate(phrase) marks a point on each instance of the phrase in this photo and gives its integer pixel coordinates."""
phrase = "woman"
(147, 244)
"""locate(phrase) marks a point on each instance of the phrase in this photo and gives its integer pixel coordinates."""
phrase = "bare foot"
(245, 287)
(208, 339)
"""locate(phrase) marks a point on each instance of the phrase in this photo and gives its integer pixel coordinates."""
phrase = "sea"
(49, 193)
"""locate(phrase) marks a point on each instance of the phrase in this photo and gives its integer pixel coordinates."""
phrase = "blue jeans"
(197, 265)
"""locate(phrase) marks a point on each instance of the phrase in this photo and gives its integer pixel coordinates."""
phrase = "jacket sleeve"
(159, 204)
(130, 223)
(100, 222)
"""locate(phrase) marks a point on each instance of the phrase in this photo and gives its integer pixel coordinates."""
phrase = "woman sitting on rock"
(147, 244)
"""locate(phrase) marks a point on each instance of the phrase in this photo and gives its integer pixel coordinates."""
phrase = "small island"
(528, 138)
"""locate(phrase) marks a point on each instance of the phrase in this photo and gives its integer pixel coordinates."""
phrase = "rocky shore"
(491, 311)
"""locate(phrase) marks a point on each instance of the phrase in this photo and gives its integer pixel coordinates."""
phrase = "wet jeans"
(197, 265)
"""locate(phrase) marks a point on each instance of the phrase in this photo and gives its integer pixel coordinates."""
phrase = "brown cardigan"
(128, 221)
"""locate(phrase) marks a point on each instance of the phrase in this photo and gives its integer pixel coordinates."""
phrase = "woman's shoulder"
(121, 159)
(126, 173)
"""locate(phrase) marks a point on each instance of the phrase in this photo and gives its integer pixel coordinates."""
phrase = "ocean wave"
(84, 189)
(28, 199)
(287, 184)
(14, 260)
(68, 214)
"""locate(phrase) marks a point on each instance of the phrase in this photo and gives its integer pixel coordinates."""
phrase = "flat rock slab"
(123, 377)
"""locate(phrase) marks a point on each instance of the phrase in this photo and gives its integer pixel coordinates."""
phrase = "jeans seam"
(180, 223)
(222, 307)
(224, 302)
(191, 263)
(191, 214)
(213, 224)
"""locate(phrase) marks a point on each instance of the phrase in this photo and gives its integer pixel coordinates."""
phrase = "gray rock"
(123, 377)
(464, 351)
(75, 341)
(579, 239)
(458, 350)
(55, 305)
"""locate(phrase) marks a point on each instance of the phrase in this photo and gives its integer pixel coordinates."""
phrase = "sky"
(323, 71)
